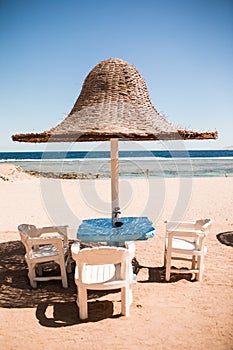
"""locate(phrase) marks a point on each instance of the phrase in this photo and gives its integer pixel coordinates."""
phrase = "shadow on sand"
(56, 306)
(225, 238)
(49, 298)
(157, 274)
(15, 290)
(63, 314)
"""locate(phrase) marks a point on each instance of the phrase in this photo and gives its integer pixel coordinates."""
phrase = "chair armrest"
(75, 249)
(179, 222)
(35, 242)
(53, 228)
(50, 229)
(207, 224)
(176, 225)
(44, 240)
(185, 233)
(131, 248)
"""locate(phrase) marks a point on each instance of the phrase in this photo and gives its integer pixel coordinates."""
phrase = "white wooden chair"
(186, 239)
(102, 268)
(46, 245)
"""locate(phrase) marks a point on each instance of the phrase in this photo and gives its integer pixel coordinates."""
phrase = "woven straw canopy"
(114, 103)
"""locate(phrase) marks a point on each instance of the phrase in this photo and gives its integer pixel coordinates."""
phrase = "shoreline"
(11, 172)
(65, 176)
(128, 168)
(77, 176)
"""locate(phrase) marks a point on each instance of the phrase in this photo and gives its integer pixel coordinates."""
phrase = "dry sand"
(177, 315)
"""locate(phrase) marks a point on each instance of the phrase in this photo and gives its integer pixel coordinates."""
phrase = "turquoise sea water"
(131, 163)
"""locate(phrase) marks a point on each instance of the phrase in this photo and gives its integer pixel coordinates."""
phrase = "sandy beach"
(181, 314)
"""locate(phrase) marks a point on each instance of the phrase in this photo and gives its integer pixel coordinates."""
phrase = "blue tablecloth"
(101, 230)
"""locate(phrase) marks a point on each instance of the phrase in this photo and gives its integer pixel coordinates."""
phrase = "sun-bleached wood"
(114, 174)
(186, 239)
(102, 268)
(44, 246)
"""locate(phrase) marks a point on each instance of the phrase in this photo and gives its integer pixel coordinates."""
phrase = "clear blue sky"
(183, 49)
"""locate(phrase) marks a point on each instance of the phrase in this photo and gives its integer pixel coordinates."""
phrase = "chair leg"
(32, 275)
(68, 265)
(82, 302)
(193, 262)
(200, 267)
(130, 295)
(125, 301)
(168, 265)
(77, 299)
(194, 266)
(39, 269)
(63, 274)
(165, 255)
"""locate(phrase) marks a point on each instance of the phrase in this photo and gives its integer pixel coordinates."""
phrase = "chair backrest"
(104, 256)
(187, 228)
(203, 225)
(30, 236)
(179, 225)
(196, 231)
(26, 231)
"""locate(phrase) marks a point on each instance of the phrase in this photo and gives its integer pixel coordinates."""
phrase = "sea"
(156, 163)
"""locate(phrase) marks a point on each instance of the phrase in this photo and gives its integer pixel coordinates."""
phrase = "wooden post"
(114, 173)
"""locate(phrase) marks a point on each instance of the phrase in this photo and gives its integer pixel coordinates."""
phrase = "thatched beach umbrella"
(114, 104)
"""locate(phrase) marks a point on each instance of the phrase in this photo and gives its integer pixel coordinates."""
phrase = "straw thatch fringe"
(114, 103)
(47, 137)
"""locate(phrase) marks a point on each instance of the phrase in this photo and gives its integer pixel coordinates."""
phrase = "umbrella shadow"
(55, 305)
(15, 289)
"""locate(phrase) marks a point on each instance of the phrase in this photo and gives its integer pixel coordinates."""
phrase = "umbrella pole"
(114, 174)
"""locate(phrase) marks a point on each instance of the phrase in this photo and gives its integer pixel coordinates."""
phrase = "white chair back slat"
(102, 255)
